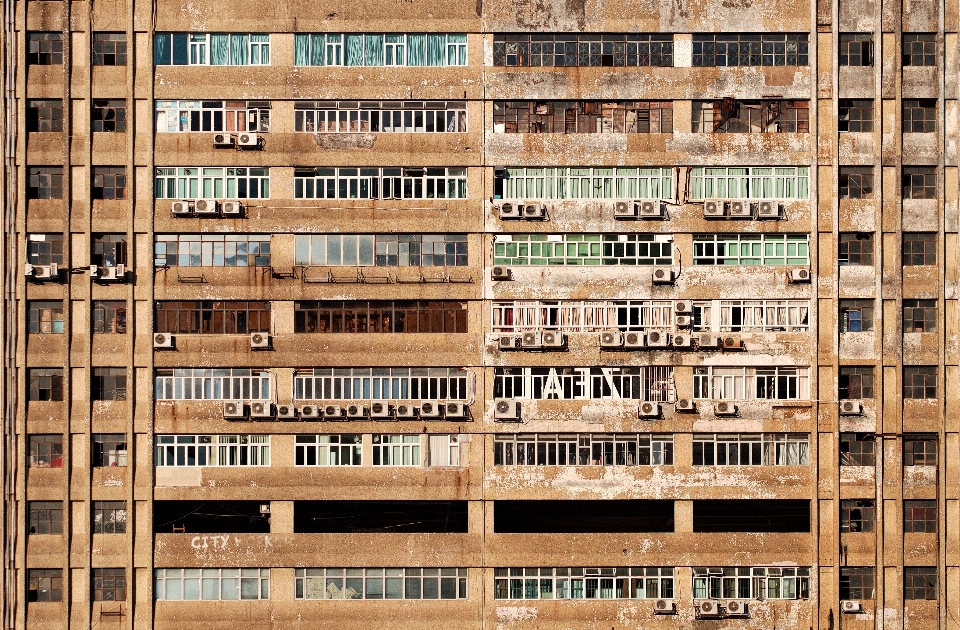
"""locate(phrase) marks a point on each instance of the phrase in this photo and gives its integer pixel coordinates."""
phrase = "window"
(583, 249)
(749, 49)
(583, 49)
(920, 583)
(919, 248)
(109, 182)
(380, 116)
(44, 182)
(919, 382)
(444, 450)
(212, 384)
(212, 250)
(45, 384)
(751, 315)
(751, 383)
(583, 583)
(857, 515)
(856, 315)
(856, 49)
(381, 250)
(211, 584)
(380, 317)
(856, 382)
(919, 450)
(857, 449)
(584, 449)
(769, 449)
(583, 183)
(919, 49)
(44, 49)
(207, 183)
(729, 115)
(109, 49)
(212, 317)
(45, 317)
(919, 316)
(329, 450)
(46, 451)
(109, 517)
(109, 317)
(581, 315)
(211, 450)
(856, 182)
(650, 383)
(583, 116)
(754, 182)
(330, 583)
(45, 249)
(380, 183)
(379, 49)
(751, 582)
(187, 116)
(109, 585)
(45, 517)
(423, 383)
(109, 383)
(109, 115)
(919, 115)
(109, 449)
(211, 49)
(920, 517)
(44, 585)
(44, 116)
(856, 248)
(856, 583)
(109, 250)
(396, 450)
(855, 116)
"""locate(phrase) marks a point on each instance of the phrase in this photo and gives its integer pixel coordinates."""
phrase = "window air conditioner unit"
(850, 606)
(664, 275)
(264, 508)
(650, 209)
(739, 209)
(233, 409)
(248, 140)
(332, 412)
(221, 140)
(453, 409)
(724, 408)
(259, 341)
(713, 208)
(180, 208)
(732, 343)
(42, 272)
(498, 272)
(799, 276)
(163, 340)
(380, 411)
(736, 608)
(509, 210)
(534, 211)
(231, 208)
(851, 408)
(658, 339)
(356, 412)
(682, 341)
(531, 340)
(707, 340)
(648, 410)
(708, 609)
(286, 412)
(768, 209)
(506, 411)
(683, 306)
(261, 410)
(108, 273)
(205, 206)
(310, 412)
(611, 339)
(431, 409)
(635, 340)
(508, 342)
(553, 339)
(685, 404)
(624, 210)
(684, 321)
(665, 607)
(405, 410)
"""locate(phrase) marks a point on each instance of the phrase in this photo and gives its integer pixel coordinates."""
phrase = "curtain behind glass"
(239, 49)
(436, 50)
(161, 49)
(301, 50)
(318, 43)
(354, 50)
(373, 50)
(219, 46)
(416, 50)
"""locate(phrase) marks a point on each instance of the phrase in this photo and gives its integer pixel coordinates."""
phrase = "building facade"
(298, 313)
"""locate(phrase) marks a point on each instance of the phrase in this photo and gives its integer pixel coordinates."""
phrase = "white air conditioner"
(248, 140)
(658, 339)
(381, 410)
(553, 339)
(713, 208)
(205, 206)
(531, 340)
(259, 341)
(261, 409)
(162, 340)
(650, 209)
(221, 140)
(624, 210)
(851, 606)
(506, 410)
(332, 412)
(851, 408)
(109, 273)
(799, 276)
(708, 608)
(264, 508)
(665, 607)
(685, 404)
(42, 272)
(611, 339)
(453, 409)
(683, 306)
(534, 211)
(509, 210)
(707, 340)
(508, 342)
(724, 408)
(498, 272)
(356, 412)
(405, 410)
(648, 410)
(739, 209)
(231, 208)
(736, 608)
(732, 343)
(767, 209)
(634, 339)
(286, 412)
(684, 321)
(431, 409)
(682, 341)
(234, 409)
(180, 207)
(664, 275)
(310, 412)
(94, 271)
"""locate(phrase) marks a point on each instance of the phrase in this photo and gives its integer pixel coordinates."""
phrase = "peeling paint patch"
(515, 614)
(345, 140)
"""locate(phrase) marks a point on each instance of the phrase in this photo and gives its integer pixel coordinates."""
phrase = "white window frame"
(653, 383)
(748, 383)
(211, 182)
(380, 183)
(754, 315)
(338, 583)
(581, 315)
(514, 583)
(211, 450)
(580, 449)
(634, 249)
(751, 249)
(338, 449)
(174, 116)
(211, 584)
(443, 450)
(750, 182)
(212, 384)
(540, 183)
(397, 449)
(382, 384)
(751, 582)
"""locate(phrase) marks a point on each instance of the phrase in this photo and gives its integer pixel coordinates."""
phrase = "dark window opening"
(388, 517)
(751, 515)
(582, 516)
(210, 517)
